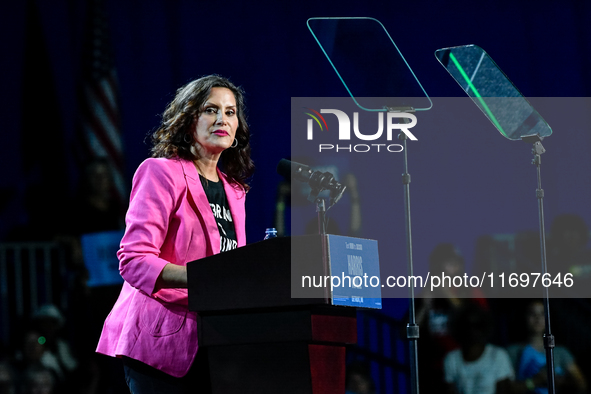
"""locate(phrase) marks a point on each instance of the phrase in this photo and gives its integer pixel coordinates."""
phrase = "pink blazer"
(169, 221)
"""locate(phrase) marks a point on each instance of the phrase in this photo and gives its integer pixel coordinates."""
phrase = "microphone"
(289, 169)
(318, 181)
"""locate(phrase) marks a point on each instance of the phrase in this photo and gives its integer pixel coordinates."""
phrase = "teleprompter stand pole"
(412, 328)
(321, 210)
(537, 150)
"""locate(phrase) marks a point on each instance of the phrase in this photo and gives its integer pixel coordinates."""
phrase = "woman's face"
(452, 266)
(215, 128)
(32, 349)
(536, 321)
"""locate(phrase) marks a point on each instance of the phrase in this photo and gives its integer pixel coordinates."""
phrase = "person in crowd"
(98, 207)
(8, 384)
(72, 373)
(568, 252)
(182, 208)
(37, 379)
(358, 379)
(33, 356)
(434, 312)
(49, 322)
(567, 247)
(529, 359)
(477, 367)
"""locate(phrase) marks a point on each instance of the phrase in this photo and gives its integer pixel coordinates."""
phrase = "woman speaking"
(182, 208)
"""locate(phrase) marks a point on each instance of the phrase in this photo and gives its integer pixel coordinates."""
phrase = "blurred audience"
(44, 361)
(97, 205)
(32, 358)
(455, 351)
(567, 247)
(434, 312)
(96, 208)
(48, 321)
(37, 379)
(48, 345)
(477, 367)
(358, 379)
(529, 359)
(8, 384)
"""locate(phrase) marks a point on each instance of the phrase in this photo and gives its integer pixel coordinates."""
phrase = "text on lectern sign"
(355, 272)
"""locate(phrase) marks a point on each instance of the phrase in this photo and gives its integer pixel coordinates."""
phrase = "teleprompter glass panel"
(369, 64)
(491, 90)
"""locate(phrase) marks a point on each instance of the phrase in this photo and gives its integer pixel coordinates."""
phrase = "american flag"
(100, 127)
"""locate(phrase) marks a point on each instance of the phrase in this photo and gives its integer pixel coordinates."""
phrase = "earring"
(187, 138)
(235, 143)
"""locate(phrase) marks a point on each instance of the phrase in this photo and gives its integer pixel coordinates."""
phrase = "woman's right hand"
(172, 276)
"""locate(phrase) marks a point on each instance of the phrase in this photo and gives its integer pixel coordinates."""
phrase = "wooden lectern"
(258, 338)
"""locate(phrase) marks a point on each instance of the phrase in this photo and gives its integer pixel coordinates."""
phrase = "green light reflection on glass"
(478, 96)
(41, 340)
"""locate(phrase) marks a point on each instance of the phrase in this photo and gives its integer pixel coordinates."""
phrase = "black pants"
(144, 379)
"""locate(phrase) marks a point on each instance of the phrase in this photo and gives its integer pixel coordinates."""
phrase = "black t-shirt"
(221, 211)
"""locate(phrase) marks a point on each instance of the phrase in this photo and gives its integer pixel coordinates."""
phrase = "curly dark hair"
(170, 140)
